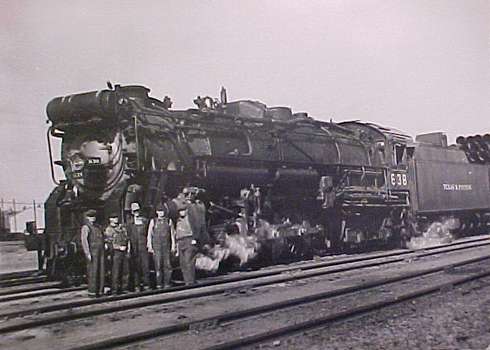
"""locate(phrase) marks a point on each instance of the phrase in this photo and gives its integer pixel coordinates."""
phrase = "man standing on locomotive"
(161, 243)
(139, 263)
(93, 246)
(120, 249)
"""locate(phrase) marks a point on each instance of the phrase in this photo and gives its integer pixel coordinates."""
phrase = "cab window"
(230, 144)
(399, 154)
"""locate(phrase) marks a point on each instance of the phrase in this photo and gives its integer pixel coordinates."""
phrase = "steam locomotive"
(303, 185)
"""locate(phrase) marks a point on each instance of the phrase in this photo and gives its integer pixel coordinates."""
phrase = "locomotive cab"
(380, 219)
(388, 150)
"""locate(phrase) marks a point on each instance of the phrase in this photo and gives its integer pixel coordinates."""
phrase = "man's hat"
(91, 212)
(192, 190)
(162, 207)
(114, 214)
(135, 206)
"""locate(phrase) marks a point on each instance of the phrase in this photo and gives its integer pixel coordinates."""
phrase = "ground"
(14, 257)
(450, 320)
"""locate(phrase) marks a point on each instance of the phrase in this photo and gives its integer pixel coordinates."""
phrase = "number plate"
(398, 179)
(93, 161)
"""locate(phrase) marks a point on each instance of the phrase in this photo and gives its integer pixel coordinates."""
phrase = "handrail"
(53, 177)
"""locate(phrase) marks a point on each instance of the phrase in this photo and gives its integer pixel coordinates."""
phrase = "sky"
(417, 65)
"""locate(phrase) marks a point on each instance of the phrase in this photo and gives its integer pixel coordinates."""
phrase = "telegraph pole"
(35, 216)
(15, 215)
(3, 225)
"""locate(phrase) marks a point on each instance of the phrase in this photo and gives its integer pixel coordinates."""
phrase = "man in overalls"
(93, 246)
(108, 250)
(139, 263)
(119, 249)
(160, 244)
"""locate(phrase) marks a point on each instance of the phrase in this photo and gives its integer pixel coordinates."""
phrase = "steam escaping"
(210, 261)
(242, 247)
(437, 233)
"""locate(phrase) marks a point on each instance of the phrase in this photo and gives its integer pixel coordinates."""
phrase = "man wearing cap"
(190, 229)
(196, 213)
(139, 263)
(93, 246)
(160, 244)
(187, 247)
(119, 247)
(108, 251)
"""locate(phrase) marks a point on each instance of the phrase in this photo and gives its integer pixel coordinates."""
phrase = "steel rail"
(277, 306)
(32, 288)
(38, 292)
(200, 292)
(341, 315)
(17, 274)
(22, 280)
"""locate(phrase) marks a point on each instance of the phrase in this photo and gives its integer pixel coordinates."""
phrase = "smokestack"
(223, 96)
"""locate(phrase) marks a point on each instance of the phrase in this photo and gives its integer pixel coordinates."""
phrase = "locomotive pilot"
(120, 250)
(139, 263)
(92, 239)
(161, 243)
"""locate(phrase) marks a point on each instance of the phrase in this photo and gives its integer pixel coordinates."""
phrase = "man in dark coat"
(119, 245)
(92, 239)
(190, 230)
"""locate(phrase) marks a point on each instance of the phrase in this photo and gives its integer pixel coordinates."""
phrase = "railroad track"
(17, 274)
(39, 290)
(53, 288)
(75, 310)
(22, 281)
(401, 254)
(18, 278)
(342, 315)
(236, 316)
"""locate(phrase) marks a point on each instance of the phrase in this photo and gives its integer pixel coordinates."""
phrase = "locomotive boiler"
(302, 183)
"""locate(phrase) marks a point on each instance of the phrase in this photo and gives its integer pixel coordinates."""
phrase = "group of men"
(128, 246)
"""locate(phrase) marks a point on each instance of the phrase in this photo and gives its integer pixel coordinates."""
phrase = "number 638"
(398, 179)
